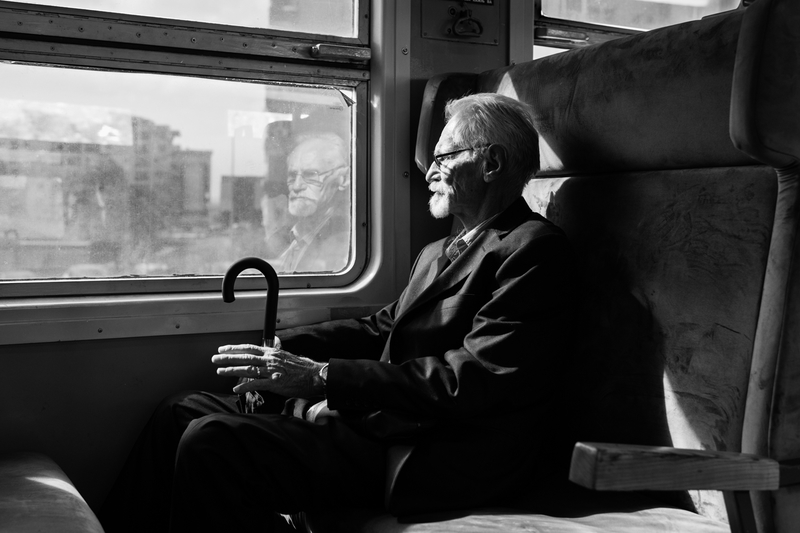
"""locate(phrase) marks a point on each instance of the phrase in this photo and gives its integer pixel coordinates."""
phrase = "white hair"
(489, 118)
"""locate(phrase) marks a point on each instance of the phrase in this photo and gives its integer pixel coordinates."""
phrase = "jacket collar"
(426, 285)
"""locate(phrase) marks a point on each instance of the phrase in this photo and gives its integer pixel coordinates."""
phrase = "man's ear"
(344, 178)
(495, 162)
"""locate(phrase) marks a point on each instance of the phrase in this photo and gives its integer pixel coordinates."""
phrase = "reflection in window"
(106, 174)
(327, 17)
(638, 14)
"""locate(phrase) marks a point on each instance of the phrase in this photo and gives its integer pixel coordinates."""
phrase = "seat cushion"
(566, 509)
(36, 495)
(514, 521)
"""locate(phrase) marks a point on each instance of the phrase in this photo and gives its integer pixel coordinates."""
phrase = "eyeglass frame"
(291, 177)
(440, 164)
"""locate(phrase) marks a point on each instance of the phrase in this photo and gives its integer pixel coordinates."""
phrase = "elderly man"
(451, 387)
(318, 181)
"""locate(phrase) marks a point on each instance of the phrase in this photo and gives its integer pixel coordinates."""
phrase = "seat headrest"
(765, 110)
(656, 100)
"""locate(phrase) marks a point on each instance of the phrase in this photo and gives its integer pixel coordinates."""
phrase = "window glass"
(329, 17)
(544, 51)
(638, 14)
(106, 174)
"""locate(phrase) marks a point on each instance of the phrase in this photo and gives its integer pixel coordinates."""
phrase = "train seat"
(670, 159)
(36, 495)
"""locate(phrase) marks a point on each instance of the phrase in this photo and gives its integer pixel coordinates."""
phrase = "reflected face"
(315, 173)
(457, 183)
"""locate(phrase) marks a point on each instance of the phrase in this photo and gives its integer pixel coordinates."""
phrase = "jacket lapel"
(425, 273)
(424, 288)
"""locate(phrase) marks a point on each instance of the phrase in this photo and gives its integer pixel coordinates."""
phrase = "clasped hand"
(271, 369)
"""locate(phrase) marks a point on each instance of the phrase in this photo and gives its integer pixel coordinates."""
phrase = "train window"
(106, 174)
(637, 14)
(578, 23)
(146, 156)
(332, 17)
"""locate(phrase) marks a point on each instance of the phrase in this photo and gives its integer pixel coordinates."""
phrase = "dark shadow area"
(616, 391)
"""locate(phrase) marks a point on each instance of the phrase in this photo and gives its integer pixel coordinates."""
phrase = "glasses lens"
(309, 177)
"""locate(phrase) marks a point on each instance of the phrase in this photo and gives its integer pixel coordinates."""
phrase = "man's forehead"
(314, 151)
(446, 139)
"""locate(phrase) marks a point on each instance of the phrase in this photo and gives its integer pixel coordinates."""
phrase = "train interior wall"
(84, 402)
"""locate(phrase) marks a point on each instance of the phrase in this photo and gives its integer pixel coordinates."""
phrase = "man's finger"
(250, 371)
(258, 384)
(240, 348)
(250, 386)
(237, 359)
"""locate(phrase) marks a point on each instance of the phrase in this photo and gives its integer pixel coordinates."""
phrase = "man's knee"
(176, 412)
(205, 431)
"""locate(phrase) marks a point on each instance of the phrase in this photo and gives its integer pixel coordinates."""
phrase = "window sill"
(40, 320)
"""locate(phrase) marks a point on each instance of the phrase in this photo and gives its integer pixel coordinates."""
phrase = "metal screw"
(405, 51)
(194, 40)
(406, 174)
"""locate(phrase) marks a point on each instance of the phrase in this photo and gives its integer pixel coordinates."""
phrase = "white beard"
(302, 207)
(439, 205)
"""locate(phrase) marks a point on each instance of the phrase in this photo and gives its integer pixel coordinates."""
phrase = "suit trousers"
(201, 465)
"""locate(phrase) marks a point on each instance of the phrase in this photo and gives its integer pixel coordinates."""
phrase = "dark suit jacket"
(475, 355)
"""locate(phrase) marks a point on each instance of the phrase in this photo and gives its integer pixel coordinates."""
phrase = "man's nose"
(433, 172)
(296, 182)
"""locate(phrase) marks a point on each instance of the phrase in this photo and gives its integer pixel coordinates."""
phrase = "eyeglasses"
(440, 159)
(310, 177)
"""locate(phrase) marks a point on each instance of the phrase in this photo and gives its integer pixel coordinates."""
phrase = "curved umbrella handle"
(271, 313)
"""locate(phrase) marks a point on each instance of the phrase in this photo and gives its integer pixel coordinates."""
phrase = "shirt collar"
(309, 235)
(465, 238)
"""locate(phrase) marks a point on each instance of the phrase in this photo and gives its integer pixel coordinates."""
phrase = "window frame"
(33, 311)
(569, 34)
(138, 30)
(60, 48)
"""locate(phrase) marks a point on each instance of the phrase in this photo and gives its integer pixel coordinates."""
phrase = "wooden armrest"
(627, 467)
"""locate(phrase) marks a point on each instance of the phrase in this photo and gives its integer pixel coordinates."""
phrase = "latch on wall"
(473, 21)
